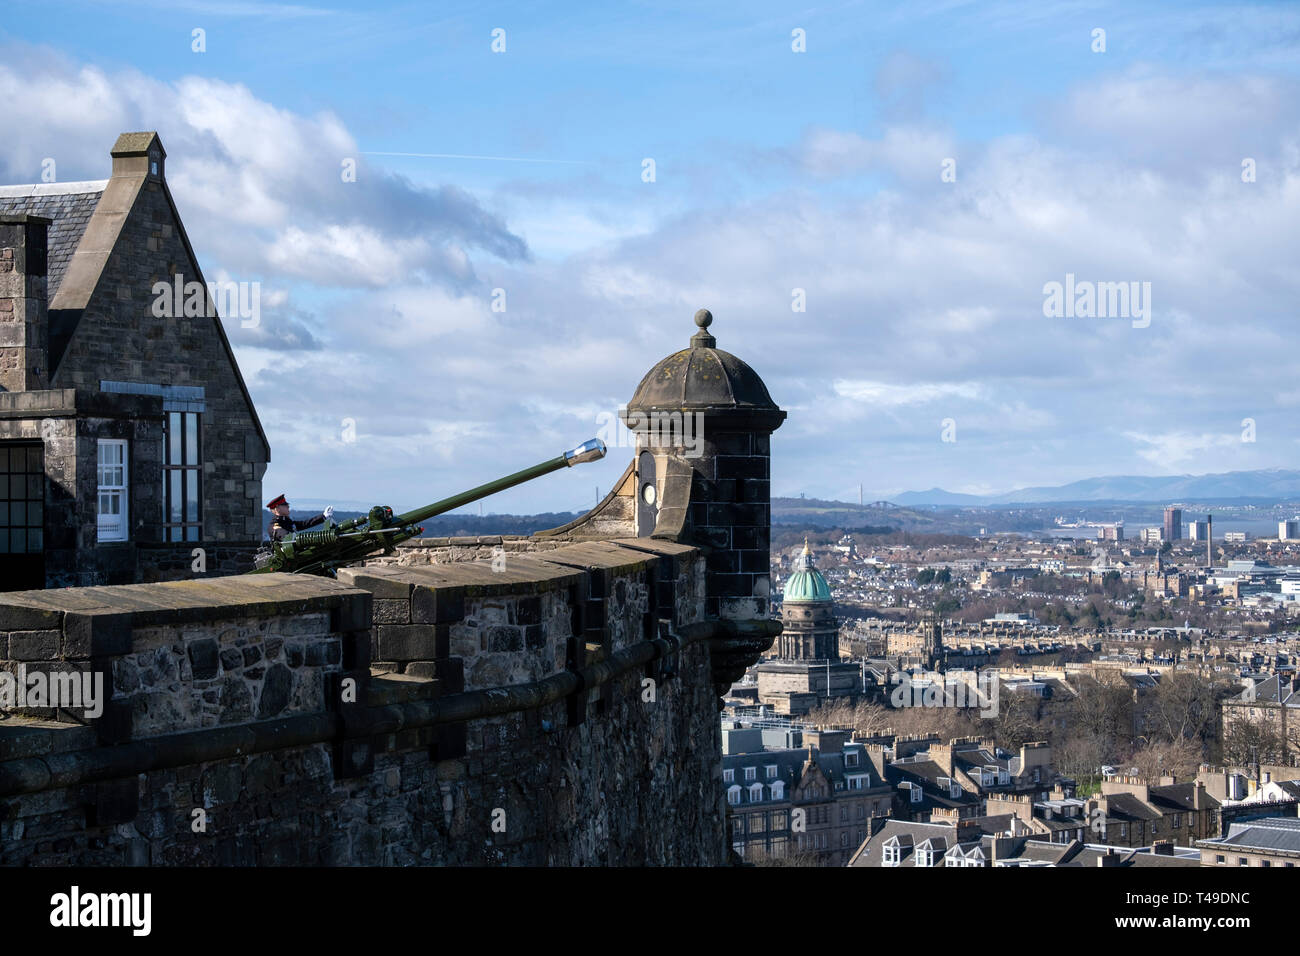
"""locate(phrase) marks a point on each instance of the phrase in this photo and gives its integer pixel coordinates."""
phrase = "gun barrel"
(592, 450)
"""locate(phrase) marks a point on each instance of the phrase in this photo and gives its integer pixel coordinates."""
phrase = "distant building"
(1130, 812)
(1234, 537)
(1152, 536)
(816, 801)
(1289, 530)
(1271, 706)
(808, 614)
(1173, 524)
(1198, 530)
(1111, 532)
(1266, 842)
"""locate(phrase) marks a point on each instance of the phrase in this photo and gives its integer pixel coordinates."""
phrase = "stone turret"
(703, 420)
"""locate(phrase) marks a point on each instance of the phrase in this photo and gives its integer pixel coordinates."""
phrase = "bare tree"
(1184, 706)
(1101, 711)
(1080, 757)
(1156, 758)
(1247, 743)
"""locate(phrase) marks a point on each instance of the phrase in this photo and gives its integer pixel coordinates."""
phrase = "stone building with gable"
(127, 437)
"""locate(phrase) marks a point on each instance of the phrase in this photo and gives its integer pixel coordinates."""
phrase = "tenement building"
(127, 435)
(815, 804)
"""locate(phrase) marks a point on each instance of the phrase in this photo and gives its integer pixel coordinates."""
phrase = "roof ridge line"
(21, 190)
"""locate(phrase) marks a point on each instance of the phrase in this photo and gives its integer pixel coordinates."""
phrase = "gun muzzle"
(592, 450)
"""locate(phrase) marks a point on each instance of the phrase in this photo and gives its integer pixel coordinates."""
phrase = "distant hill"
(1275, 484)
(816, 512)
(936, 496)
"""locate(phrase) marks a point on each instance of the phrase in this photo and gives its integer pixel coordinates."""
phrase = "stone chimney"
(24, 305)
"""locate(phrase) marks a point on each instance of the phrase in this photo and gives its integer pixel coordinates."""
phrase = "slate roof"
(1020, 851)
(789, 770)
(70, 205)
(1177, 796)
(1269, 833)
(1125, 806)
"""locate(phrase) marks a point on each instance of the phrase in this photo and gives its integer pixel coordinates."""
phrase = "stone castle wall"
(561, 709)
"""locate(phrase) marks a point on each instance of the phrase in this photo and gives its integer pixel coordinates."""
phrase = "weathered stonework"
(620, 773)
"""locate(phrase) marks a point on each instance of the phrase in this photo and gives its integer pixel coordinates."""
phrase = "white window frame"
(778, 790)
(728, 776)
(733, 795)
(771, 771)
(113, 527)
(755, 793)
(751, 773)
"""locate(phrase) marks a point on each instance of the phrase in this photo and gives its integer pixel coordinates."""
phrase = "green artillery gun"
(379, 532)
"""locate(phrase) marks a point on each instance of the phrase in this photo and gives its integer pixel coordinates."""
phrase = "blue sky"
(775, 170)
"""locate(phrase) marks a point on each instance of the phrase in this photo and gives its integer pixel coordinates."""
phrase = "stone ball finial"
(704, 318)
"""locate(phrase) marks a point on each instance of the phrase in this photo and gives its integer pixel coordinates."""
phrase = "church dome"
(703, 377)
(806, 585)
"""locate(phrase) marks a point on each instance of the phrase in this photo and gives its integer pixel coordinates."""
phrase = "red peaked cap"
(276, 502)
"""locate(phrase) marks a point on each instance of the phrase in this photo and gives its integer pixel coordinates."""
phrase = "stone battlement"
(571, 697)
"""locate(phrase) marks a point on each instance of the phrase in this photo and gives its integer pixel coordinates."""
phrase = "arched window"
(778, 790)
(733, 794)
(756, 793)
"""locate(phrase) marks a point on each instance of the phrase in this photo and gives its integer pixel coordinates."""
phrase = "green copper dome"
(806, 585)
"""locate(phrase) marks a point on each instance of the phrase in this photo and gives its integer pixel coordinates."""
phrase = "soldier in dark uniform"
(282, 524)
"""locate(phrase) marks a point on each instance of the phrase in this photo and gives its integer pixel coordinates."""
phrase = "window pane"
(176, 498)
(34, 462)
(192, 533)
(192, 496)
(4, 513)
(4, 486)
(18, 540)
(4, 459)
(35, 537)
(174, 438)
(33, 487)
(4, 540)
(191, 439)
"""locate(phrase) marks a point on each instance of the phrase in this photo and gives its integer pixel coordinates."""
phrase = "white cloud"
(917, 393)
(1171, 450)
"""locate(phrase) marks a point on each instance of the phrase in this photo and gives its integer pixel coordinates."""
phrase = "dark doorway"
(22, 516)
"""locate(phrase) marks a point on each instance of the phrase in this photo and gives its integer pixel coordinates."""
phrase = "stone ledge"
(180, 602)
